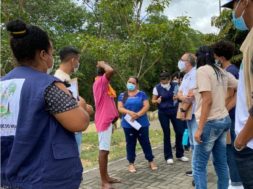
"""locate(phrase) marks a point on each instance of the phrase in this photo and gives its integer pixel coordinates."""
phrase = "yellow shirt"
(247, 50)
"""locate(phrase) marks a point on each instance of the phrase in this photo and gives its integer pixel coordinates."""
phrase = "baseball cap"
(228, 4)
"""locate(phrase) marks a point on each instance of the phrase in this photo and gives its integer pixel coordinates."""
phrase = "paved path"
(166, 177)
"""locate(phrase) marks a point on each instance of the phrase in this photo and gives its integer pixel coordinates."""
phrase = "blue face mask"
(130, 86)
(239, 22)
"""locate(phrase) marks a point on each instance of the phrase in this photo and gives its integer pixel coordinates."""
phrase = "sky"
(200, 12)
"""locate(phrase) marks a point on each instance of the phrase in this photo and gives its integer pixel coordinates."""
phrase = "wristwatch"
(182, 110)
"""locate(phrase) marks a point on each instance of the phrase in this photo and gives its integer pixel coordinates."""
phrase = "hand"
(189, 99)
(82, 103)
(197, 136)
(90, 109)
(100, 64)
(114, 127)
(240, 142)
(133, 115)
(159, 100)
(175, 97)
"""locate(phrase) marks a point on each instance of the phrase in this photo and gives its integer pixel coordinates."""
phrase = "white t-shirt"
(62, 75)
(189, 83)
(155, 92)
(241, 112)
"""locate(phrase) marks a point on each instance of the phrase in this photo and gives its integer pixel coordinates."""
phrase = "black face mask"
(100, 71)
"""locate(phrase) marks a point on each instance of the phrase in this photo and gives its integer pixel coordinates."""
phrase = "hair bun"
(17, 28)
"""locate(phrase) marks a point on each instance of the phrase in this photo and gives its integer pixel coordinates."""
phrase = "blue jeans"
(244, 160)
(213, 141)
(192, 128)
(233, 170)
(78, 136)
(178, 126)
(142, 135)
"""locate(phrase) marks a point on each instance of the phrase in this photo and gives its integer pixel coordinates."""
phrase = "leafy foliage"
(133, 36)
(228, 32)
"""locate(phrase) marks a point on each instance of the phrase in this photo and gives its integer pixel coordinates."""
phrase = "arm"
(123, 110)
(180, 96)
(144, 109)
(205, 109)
(232, 87)
(246, 133)
(87, 107)
(186, 100)
(74, 120)
(156, 100)
(108, 69)
(231, 103)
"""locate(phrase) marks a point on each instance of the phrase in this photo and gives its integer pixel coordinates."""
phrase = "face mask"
(239, 22)
(217, 62)
(175, 81)
(76, 68)
(49, 70)
(166, 86)
(181, 65)
(130, 86)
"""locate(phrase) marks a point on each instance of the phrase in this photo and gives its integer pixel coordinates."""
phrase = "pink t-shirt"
(106, 110)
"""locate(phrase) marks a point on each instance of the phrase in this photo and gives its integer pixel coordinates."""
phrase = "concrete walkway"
(166, 177)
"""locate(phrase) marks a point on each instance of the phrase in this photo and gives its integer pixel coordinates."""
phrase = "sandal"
(153, 166)
(131, 168)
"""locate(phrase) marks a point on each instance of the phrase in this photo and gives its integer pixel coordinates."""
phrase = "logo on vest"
(10, 91)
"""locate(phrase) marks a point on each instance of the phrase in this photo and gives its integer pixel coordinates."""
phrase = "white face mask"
(76, 68)
(49, 70)
(181, 65)
(217, 62)
(166, 86)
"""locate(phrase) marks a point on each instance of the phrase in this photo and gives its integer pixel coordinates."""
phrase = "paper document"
(134, 123)
(74, 87)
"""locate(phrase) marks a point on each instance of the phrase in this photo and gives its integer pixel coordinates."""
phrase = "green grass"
(89, 154)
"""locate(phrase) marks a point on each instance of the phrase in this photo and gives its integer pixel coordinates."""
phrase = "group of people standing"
(41, 118)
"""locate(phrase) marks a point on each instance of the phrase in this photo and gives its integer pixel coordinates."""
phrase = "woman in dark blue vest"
(163, 96)
(38, 118)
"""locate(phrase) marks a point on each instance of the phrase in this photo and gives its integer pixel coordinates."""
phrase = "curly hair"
(224, 48)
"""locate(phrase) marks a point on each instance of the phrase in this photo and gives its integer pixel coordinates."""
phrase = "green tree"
(228, 32)
(135, 39)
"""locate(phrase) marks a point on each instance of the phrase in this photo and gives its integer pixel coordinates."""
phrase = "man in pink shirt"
(106, 114)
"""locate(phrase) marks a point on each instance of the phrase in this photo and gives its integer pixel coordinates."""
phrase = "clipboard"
(188, 113)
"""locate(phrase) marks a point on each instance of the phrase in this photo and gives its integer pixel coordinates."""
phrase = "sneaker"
(189, 173)
(184, 159)
(170, 161)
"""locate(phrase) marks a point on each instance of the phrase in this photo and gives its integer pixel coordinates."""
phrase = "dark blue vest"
(167, 104)
(42, 154)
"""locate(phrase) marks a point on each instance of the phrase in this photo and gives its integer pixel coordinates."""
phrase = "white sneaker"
(170, 161)
(184, 159)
